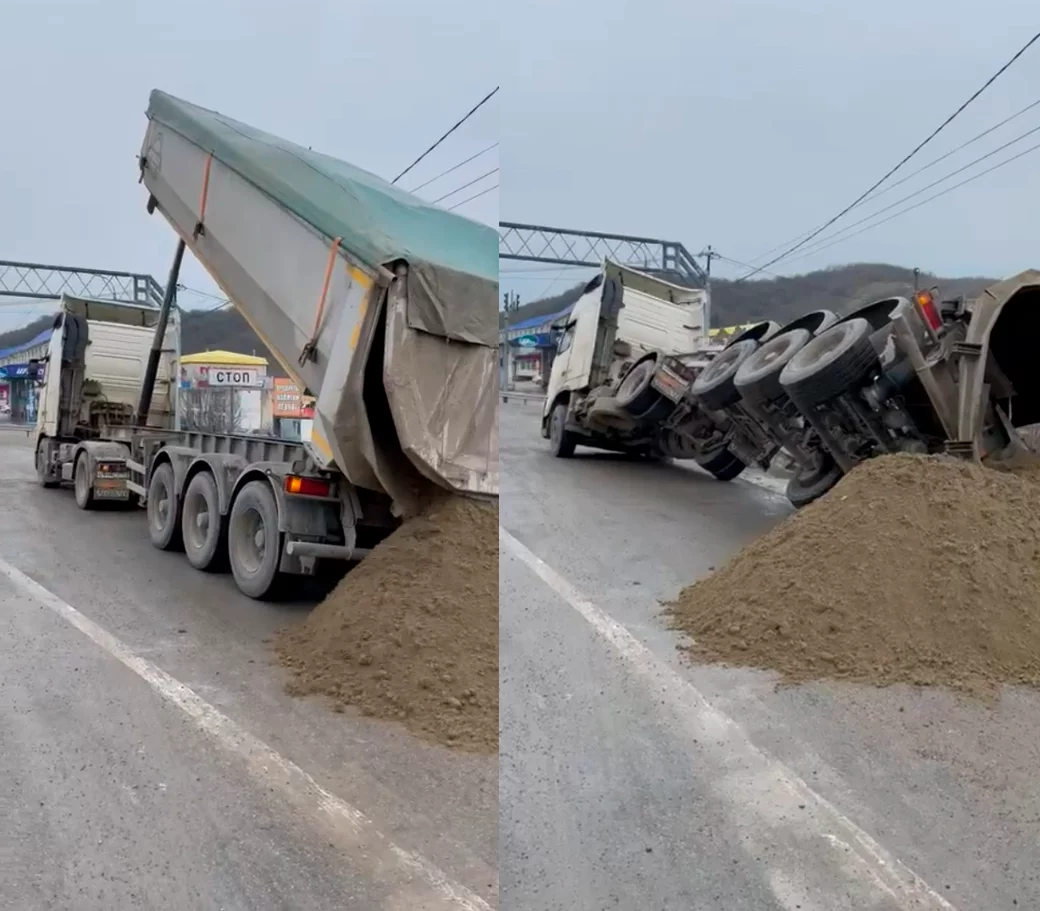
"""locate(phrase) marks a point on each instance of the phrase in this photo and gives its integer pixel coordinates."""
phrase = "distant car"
(5, 408)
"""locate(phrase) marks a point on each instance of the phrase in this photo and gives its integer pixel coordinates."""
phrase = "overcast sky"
(736, 124)
(371, 82)
(741, 124)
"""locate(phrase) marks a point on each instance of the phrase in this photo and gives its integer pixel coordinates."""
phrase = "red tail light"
(926, 304)
(307, 487)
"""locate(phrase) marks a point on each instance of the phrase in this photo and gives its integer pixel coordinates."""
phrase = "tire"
(164, 526)
(254, 543)
(832, 363)
(84, 488)
(758, 377)
(714, 387)
(203, 530)
(634, 393)
(560, 438)
(881, 312)
(759, 332)
(816, 321)
(45, 480)
(658, 411)
(803, 488)
(722, 464)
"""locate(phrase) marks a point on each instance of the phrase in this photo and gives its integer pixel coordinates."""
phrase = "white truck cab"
(655, 315)
(105, 346)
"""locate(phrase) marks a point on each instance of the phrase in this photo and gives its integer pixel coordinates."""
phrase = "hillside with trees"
(840, 289)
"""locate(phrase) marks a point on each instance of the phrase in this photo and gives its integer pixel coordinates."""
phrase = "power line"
(924, 189)
(24, 302)
(542, 269)
(520, 277)
(472, 111)
(201, 293)
(910, 176)
(918, 205)
(465, 185)
(493, 145)
(542, 294)
(956, 149)
(221, 301)
(474, 196)
(905, 159)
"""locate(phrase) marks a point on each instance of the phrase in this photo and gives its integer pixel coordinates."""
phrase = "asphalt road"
(149, 757)
(632, 779)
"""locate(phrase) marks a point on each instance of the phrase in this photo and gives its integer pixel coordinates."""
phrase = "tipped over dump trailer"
(381, 306)
(896, 375)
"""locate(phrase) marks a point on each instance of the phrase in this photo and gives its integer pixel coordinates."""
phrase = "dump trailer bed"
(382, 306)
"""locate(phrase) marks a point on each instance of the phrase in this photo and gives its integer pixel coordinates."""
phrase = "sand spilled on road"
(920, 570)
(411, 633)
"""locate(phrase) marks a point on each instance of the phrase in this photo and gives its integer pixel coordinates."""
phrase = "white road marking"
(423, 886)
(817, 857)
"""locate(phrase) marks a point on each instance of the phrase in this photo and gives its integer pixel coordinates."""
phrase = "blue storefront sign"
(541, 340)
(20, 371)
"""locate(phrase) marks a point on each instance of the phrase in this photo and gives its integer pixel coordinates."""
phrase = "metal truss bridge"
(43, 282)
(566, 247)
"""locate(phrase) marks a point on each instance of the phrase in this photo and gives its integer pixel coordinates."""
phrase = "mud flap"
(108, 471)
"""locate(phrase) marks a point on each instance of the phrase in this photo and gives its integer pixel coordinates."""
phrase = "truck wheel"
(722, 464)
(834, 362)
(84, 486)
(254, 542)
(202, 526)
(560, 438)
(634, 392)
(813, 483)
(758, 332)
(714, 387)
(43, 473)
(164, 527)
(758, 378)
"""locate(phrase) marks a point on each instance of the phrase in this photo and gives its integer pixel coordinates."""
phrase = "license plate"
(669, 385)
(110, 493)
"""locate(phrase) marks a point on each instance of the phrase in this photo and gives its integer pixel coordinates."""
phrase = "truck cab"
(622, 316)
(92, 379)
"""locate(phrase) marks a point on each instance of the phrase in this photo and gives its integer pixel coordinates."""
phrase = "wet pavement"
(150, 758)
(632, 779)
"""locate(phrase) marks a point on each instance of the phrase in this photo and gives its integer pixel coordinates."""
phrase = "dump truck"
(901, 374)
(379, 305)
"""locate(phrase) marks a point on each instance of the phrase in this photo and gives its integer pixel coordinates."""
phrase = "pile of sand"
(411, 633)
(921, 570)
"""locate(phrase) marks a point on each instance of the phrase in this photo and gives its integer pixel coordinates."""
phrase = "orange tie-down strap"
(309, 352)
(200, 228)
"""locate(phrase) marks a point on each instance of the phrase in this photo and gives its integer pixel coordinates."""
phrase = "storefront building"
(293, 411)
(225, 392)
(21, 373)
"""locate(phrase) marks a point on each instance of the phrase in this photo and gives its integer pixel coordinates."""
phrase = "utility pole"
(708, 254)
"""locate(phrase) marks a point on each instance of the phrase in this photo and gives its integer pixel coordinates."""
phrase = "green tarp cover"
(454, 259)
